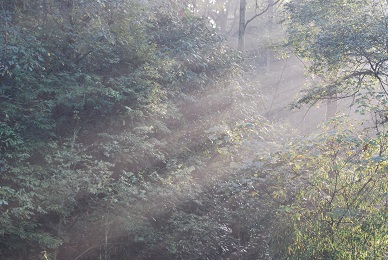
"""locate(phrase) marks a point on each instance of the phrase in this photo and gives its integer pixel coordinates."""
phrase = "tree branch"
(262, 12)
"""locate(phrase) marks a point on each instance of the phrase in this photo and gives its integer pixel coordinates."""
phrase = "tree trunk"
(241, 29)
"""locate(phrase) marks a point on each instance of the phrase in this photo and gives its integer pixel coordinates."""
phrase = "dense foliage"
(344, 46)
(338, 178)
(90, 91)
(129, 130)
(335, 188)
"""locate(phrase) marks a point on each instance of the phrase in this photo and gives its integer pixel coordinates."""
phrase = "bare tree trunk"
(242, 26)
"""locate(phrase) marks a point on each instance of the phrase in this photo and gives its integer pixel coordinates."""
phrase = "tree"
(337, 208)
(242, 25)
(243, 21)
(343, 44)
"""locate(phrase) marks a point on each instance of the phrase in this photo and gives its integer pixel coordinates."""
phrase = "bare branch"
(262, 12)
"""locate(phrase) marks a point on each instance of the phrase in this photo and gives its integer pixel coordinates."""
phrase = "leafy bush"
(336, 193)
